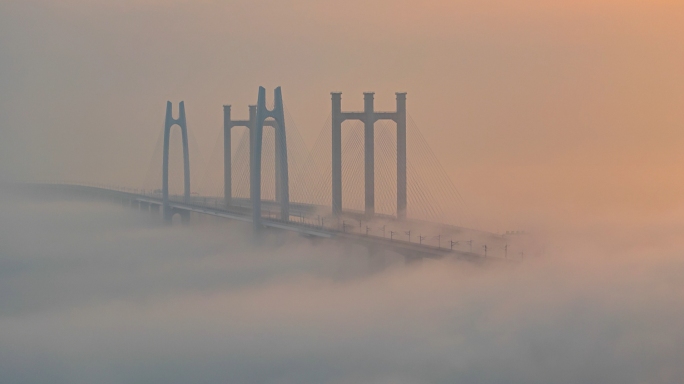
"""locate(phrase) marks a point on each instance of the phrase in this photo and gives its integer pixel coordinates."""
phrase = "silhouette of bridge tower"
(228, 125)
(369, 116)
(256, 138)
(168, 123)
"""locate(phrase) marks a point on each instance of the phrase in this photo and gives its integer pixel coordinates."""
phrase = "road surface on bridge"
(241, 212)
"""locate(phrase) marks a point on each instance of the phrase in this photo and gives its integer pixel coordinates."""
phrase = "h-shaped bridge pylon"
(258, 115)
(369, 116)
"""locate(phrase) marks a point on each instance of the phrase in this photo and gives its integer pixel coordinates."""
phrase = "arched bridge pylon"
(168, 123)
(369, 116)
(282, 180)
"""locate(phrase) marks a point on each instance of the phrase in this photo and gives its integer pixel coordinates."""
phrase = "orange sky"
(541, 111)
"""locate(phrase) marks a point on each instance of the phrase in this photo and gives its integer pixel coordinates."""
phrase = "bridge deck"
(242, 213)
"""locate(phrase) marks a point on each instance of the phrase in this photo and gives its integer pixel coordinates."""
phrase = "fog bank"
(98, 293)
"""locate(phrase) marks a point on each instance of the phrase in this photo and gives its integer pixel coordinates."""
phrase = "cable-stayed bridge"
(370, 178)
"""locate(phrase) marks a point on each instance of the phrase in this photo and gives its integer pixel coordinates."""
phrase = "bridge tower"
(228, 125)
(168, 123)
(369, 116)
(282, 181)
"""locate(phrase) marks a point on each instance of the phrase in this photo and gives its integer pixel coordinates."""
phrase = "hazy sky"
(538, 110)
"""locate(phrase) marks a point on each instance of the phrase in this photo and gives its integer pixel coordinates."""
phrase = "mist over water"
(92, 292)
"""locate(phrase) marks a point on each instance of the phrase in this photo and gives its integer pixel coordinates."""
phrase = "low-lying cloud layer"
(97, 293)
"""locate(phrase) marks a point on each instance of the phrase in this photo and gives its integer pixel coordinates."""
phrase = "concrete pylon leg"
(168, 123)
(278, 174)
(281, 153)
(401, 156)
(369, 154)
(255, 171)
(227, 154)
(186, 153)
(252, 128)
(337, 153)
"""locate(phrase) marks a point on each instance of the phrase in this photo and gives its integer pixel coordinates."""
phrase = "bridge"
(308, 215)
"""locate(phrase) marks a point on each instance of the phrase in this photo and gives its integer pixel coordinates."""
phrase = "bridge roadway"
(410, 250)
